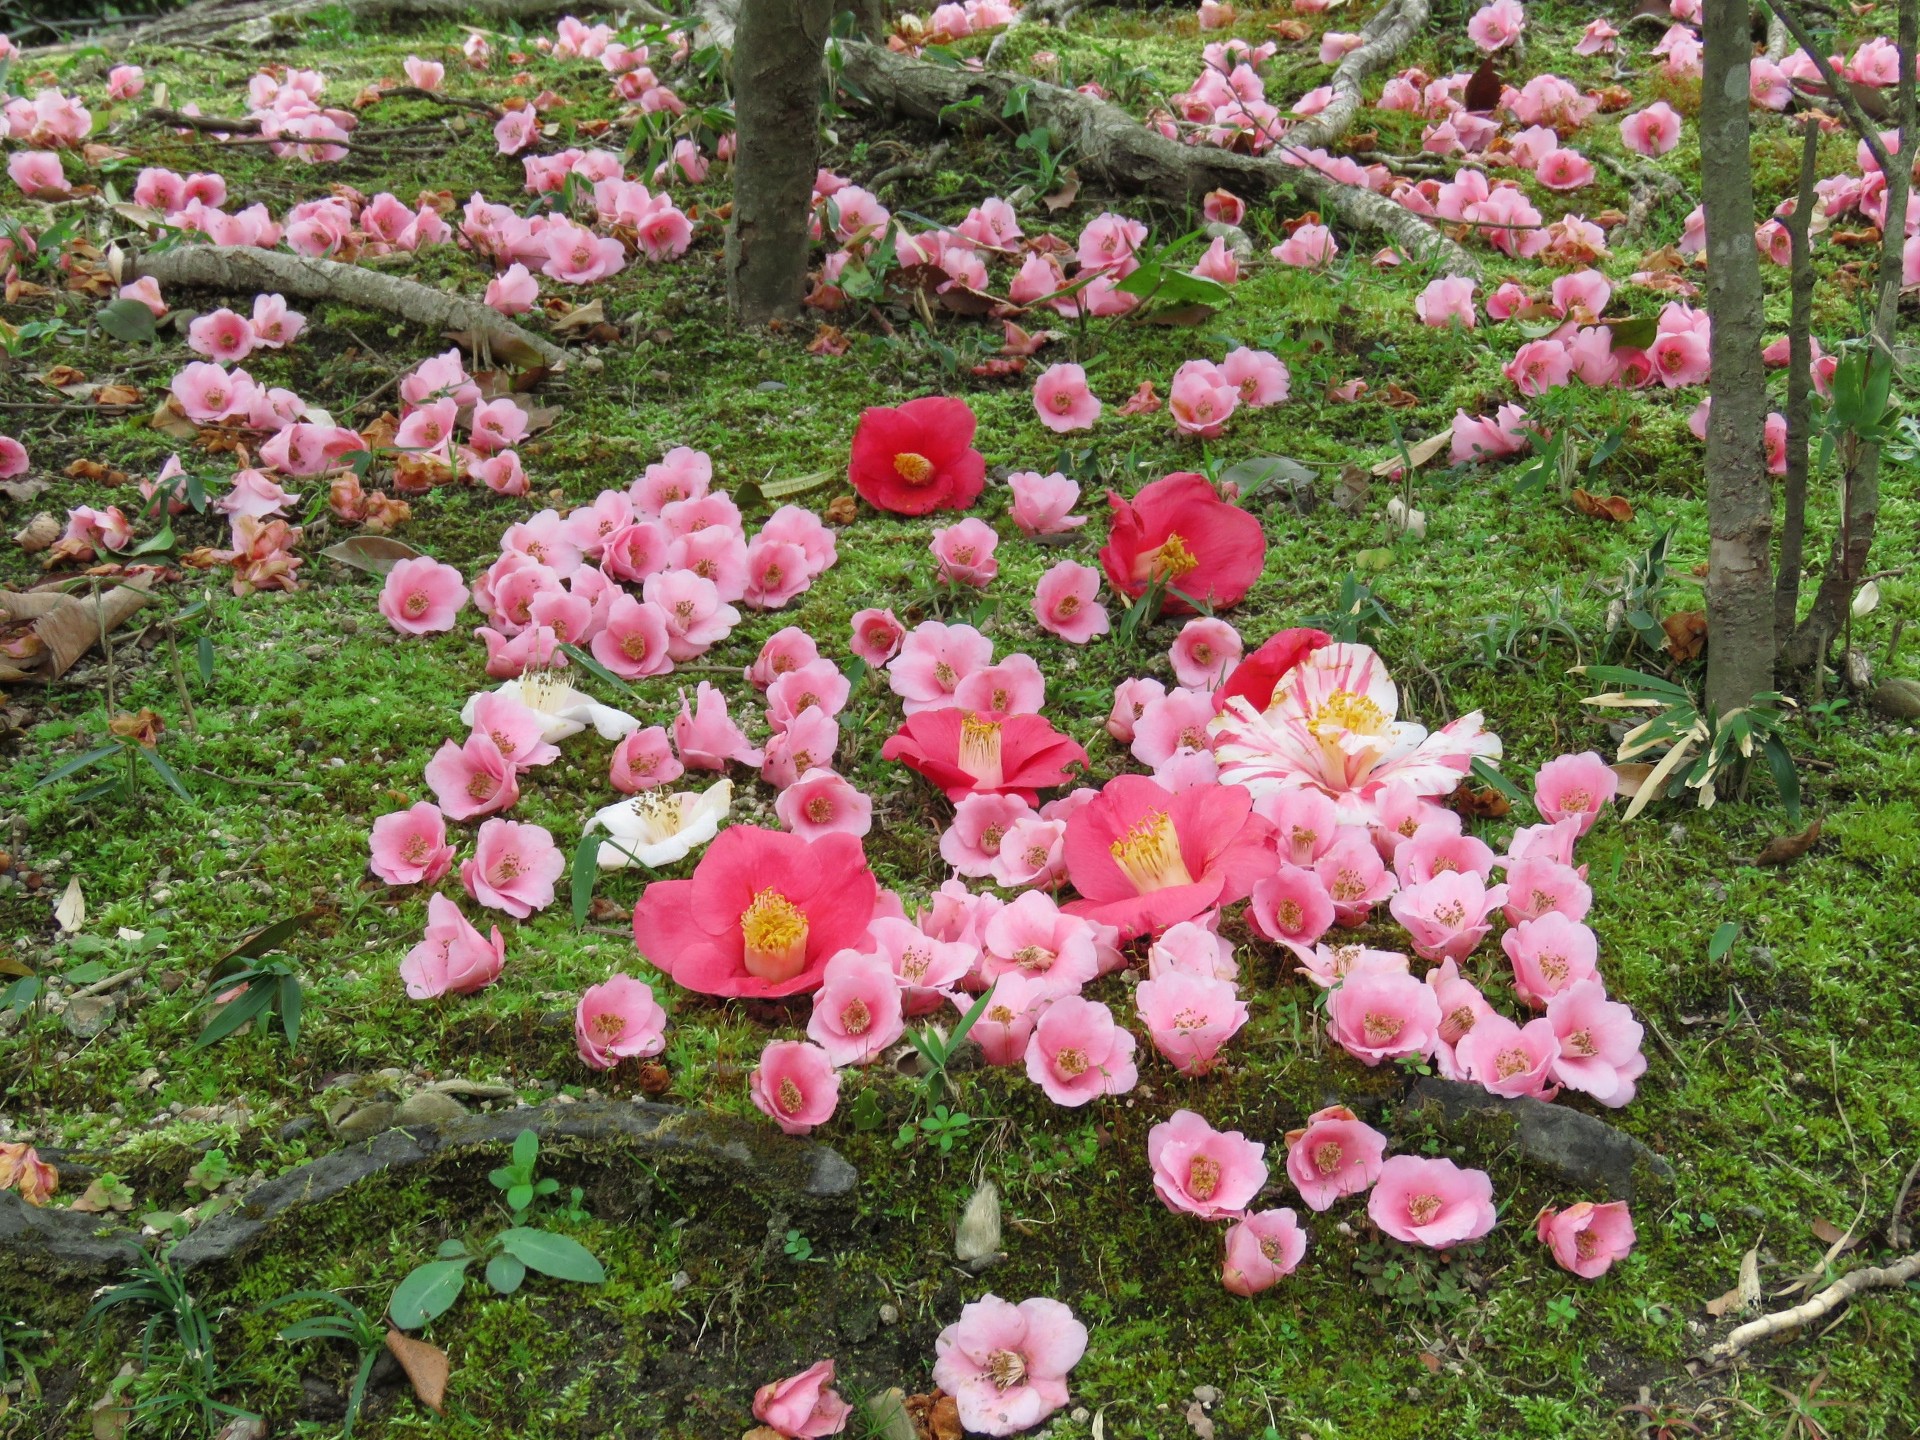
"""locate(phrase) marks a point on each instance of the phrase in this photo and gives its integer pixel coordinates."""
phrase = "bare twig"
(1879, 1277)
(100, 987)
(1897, 1231)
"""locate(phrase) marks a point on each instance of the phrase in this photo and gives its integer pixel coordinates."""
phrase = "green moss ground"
(1782, 1075)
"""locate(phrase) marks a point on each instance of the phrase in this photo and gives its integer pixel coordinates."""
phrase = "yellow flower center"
(855, 1018)
(1071, 1063)
(1509, 1063)
(1381, 1028)
(1006, 1368)
(1289, 914)
(607, 1028)
(912, 468)
(1585, 1246)
(1170, 560)
(980, 751)
(1203, 1177)
(1327, 1156)
(416, 604)
(1149, 854)
(1422, 1208)
(1347, 710)
(790, 1097)
(634, 645)
(819, 809)
(775, 932)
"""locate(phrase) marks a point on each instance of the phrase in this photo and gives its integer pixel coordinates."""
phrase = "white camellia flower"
(657, 828)
(563, 710)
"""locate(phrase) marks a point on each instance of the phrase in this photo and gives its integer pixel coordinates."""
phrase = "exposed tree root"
(1647, 186)
(1880, 1277)
(1385, 36)
(247, 270)
(256, 22)
(1112, 144)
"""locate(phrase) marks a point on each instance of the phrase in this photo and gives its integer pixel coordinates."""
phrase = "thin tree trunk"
(1793, 527)
(778, 73)
(1740, 645)
(1860, 514)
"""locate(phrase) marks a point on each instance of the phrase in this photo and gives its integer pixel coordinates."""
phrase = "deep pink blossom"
(795, 1085)
(410, 846)
(877, 636)
(617, 1020)
(1335, 1154)
(1587, 1238)
(1198, 1170)
(857, 1009)
(1067, 603)
(1431, 1202)
(454, 958)
(803, 1406)
(1262, 1249)
(1077, 1052)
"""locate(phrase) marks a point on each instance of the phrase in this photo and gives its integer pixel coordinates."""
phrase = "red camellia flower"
(1144, 858)
(762, 914)
(1179, 531)
(917, 458)
(1256, 675)
(971, 752)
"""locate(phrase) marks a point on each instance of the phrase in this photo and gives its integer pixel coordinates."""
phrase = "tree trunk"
(1740, 646)
(778, 73)
(1793, 526)
(1860, 510)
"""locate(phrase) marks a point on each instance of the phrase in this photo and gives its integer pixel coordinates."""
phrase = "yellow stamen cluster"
(1347, 710)
(912, 468)
(1149, 853)
(1172, 559)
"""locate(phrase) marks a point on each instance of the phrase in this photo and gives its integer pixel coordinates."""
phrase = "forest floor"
(1782, 1080)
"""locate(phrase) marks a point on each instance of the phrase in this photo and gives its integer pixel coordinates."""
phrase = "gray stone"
(366, 1122)
(1579, 1148)
(1898, 698)
(425, 1107)
(87, 1015)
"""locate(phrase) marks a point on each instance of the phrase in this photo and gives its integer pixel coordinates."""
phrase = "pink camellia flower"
(965, 752)
(1066, 603)
(632, 640)
(1681, 357)
(425, 74)
(1446, 300)
(1291, 907)
(453, 959)
(410, 846)
(1144, 858)
(1597, 39)
(618, 1020)
(1224, 207)
(1005, 1028)
(125, 82)
(980, 824)
(1440, 848)
(1131, 699)
(1496, 26)
(643, 760)
(1354, 878)
(514, 867)
(795, 1085)
(274, 325)
(1539, 366)
(208, 394)
(1033, 853)
(1041, 503)
(1379, 1014)
(934, 658)
(1310, 246)
(1189, 1018)
(1204, 651)
(963, 553)
(1564, 170)
(1063, 401)
(1198, 1170)
(1034, 937)
(1261, 1249)
(1257, 377)
(1218, 264)
(1431, 1202)
(39, 175)
(1538, 883)
(808, 742)
(514, 291)
(514, 726)
(1587, 1238)
(823, 803)
(877, 636)
(1508, 1059)
(1599, 1043)
(1652, 131)
(1077, 1052)
(1332, 965)
(1305, 823)
(781, 653)
(1006, 1365)
(1335, 1154)
(1201, 398)
(1575, 785)
(420, 596)
(21, 1168)
(802, 1406)
(1548, 955)
(706, 736)
(497, 425)
(472, 779)
(147, 291)
(516, 130)
(857, 1009)
(1449, 915)
(927, 970)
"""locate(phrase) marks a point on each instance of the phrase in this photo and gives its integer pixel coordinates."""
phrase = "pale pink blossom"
(795, 1085)
(963, 553)
(1013, 686)
(1449, 915)
(1006, 1365)
(1599, 1043)
(1257, 377)
(1446, 300)
(1219, 264)
(1063, 401)
(1034, 937)
(1189, 1017)
(1066, 603)
(1291, 907)
(706, 736)
(1005, 1028)
(1575, 786)
(1201, 398)
(926, 969)
(1380, 1014)
(420, 596)
(1077, 1052)
(697, 618)
(642, 760)
(514, 867)
(1652, 131)
(823, 803)
(1130, 701)
(424, 74)
(1431, 1202)
(1041, 503)
(1205, 651)
(513, 291)
(473, 778)
(980, 825)
(1537, 883)
(147, 291)
(1175, 722)
(1305, 823)
(1310, 246)
(1261, 1249)
(1494, 27)
(1032, 854)
(933, 660)
(1597, 39)
(454, 958)
(39, 175)
(857, 1010)
(1198, 1170)
(877, 636)
(1354, 877)
(803, 1406)
(410, 846)
(617, 1020)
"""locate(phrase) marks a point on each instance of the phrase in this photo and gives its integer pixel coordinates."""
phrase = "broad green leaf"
(586, 867)
(520, 1196)
(797, 484)
(427, 1293)
(290, 1001)
(165, 771)
(204, 651)
(127, 321)
(974, 1012)
(505, 1272)
(526, 1150)
(550, 1254)
(249, 1004)
(594, 668)
(1723, 939)
(1487, 775)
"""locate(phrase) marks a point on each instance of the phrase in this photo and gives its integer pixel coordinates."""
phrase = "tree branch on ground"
(1382, 38)
(1881, 1277)
(1110, 143)
(248, 270)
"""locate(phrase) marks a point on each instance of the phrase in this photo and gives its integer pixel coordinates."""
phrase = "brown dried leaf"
(1483, 90)
(1616, 508)
(61, 376)
(1292, 31)
(426, 1366)
(1419, 453)
(1633, 774)
(73, 624)
(1350, 495)
(170, 421)
(1478, 802)
(1785, 849)
(581, 318)
(1686, 634)
(21, 491)
(1828, 1233)
(37, 534)
(1068, 192)
(117, 394)
(1199, 1422)
(1397, 398)
(375, 554)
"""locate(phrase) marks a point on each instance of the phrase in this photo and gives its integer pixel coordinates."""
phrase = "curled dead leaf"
(426, 1365)
(1633, 774)
(1616, 508)
(1686, 634)
(842, 510)
(1068, 192)
(37, 534)
(1785, 849)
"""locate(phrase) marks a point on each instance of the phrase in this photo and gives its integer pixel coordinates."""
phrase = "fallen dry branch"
(1110, 143)
(1879, 1277)
(1646, 185)
(1897, 1230)
(248, 270)
(257, 22)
